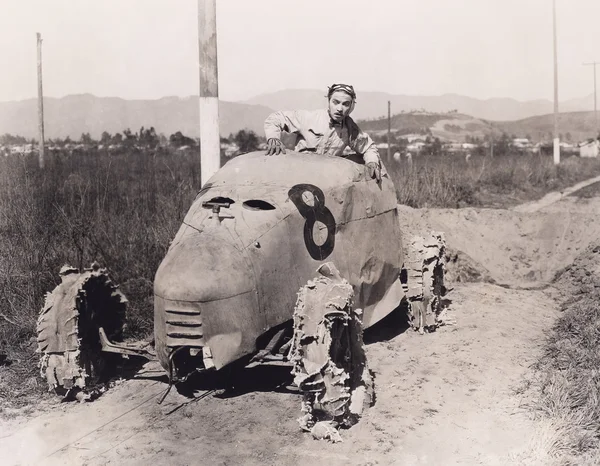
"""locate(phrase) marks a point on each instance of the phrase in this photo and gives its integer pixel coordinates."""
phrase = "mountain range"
(372, 105)
(85, 113)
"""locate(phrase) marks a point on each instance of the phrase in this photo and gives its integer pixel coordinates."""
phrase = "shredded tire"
(330, 364)
(423, 280)
(68, 326)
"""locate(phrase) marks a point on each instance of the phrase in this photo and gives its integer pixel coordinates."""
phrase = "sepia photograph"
(284, 232)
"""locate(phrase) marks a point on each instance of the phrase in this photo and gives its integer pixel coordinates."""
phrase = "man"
(327, 131)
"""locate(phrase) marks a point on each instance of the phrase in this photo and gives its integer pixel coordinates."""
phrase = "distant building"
(413, 137)
(230, 149)
(589, 148)
(453, 147)
(522, 143)
(22, 149)
(415, 147)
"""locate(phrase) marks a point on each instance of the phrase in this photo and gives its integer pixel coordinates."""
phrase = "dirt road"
(451, 397)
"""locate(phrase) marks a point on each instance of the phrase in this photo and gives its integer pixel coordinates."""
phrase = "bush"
(452, 181)
(119, 210)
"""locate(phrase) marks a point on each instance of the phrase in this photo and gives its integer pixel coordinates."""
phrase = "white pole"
(556, 137)
(210, 143)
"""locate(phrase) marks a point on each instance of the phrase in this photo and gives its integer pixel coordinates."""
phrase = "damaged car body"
(255, 234)
(239, 284)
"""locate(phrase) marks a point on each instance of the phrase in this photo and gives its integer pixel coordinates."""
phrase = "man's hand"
(374, 171)
(275, 147)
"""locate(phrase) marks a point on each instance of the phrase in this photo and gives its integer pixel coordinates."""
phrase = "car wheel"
(330, 364)
(68, 329)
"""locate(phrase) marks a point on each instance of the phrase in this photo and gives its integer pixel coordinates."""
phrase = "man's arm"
(289, 121)
(362, 144)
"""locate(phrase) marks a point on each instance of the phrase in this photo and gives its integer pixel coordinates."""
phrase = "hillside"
(374, 104)
(446, 126)
(574, 126)
(76, 114)
(580, 125)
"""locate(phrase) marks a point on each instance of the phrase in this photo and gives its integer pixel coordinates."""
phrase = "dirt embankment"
(451, 397)
(518, 249)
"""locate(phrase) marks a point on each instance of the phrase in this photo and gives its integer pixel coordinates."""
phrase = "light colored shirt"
(317, 133)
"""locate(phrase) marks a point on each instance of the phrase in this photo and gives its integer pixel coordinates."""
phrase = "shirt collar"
(334, 124)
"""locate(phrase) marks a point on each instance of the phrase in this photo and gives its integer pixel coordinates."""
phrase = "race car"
(256, 233)
(227, 288)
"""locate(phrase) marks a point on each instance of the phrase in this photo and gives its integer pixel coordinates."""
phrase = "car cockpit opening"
(258, 204)
(219, 201)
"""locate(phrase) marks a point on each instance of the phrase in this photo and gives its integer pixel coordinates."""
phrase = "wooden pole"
(595, 100)
(210, 143)
(40, 101)
(389, 133)
(556, 133)
(595, 103)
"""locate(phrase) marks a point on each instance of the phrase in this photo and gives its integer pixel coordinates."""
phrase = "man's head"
(342, 99)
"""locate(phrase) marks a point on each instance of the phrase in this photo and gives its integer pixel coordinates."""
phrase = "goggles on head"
(341, 87)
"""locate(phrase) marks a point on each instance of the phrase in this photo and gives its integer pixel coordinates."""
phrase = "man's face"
(340, 105)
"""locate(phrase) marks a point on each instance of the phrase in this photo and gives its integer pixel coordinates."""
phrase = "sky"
(147, 49)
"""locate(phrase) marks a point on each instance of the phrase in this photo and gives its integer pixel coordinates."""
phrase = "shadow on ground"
(394, 324)
(235, 381)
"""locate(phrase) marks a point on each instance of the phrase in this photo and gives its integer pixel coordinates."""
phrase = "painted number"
(319, 228)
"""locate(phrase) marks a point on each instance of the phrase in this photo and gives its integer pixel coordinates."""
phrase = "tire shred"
(425, 268)
(58, 326)
(328, 356)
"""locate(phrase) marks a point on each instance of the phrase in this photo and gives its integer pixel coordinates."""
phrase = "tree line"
(245, 140)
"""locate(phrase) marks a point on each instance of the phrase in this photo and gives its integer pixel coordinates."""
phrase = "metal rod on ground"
(389, 148)
(556, 134)
(210, 143)
(40, 101)
(595, 101)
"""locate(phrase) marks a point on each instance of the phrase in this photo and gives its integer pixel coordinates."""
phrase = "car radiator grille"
(184, 328)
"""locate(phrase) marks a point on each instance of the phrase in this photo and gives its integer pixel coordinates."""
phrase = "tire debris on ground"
(68, 325)
(330, 365)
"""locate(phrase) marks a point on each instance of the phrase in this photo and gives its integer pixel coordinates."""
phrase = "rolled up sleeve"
(289, 121)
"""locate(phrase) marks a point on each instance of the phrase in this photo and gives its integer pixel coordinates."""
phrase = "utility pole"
(595, 101)
(40, 101)
(556, 137)
(389, 133)
(210, 143)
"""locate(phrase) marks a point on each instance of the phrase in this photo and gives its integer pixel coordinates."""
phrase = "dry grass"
(451, 181)
(568, 373)
(570, 385)
(120, 210)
